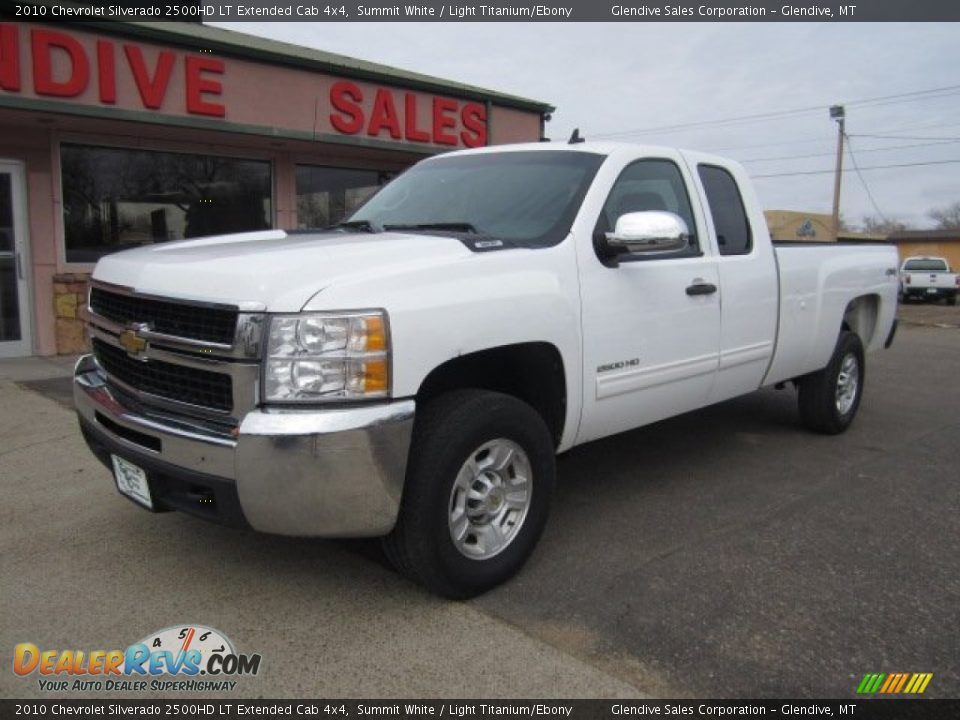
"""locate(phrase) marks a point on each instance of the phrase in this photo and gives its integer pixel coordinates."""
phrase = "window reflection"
(114, 198)
(327, 195)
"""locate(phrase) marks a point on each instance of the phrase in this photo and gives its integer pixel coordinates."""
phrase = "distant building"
(799, 226)
(939, 243)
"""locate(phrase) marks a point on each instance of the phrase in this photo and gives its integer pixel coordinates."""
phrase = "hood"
(272, 270)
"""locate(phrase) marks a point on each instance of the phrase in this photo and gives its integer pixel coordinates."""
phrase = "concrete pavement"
(724, 553)
(85, 569)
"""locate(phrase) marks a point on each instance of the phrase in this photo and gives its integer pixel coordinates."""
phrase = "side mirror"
(650, 232)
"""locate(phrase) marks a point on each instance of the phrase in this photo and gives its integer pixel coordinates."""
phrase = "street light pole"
(837, 113)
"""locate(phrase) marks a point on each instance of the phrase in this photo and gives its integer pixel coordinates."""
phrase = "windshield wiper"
(454, 226)
(364, 225)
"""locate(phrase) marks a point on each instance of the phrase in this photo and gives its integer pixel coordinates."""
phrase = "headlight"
(314, 357)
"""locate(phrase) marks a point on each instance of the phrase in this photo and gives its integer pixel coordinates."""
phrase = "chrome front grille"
(170, 381)
(168, 317)
(196, 361)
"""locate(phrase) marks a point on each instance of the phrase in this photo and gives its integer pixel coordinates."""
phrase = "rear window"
(726, 208)
(928, 265)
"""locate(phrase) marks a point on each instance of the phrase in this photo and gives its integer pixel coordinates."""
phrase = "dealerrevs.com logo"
(178, 658)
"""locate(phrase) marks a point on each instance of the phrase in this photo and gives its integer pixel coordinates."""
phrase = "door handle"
(701, 287)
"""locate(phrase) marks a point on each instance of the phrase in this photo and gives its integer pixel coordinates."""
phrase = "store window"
(326, 195)
(115, 198)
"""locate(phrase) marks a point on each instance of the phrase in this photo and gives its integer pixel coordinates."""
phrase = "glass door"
(14, 295)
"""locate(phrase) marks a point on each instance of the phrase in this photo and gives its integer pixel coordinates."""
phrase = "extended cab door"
(651, 324)
(749, 283)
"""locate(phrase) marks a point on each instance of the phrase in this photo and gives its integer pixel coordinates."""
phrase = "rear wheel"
(829, 399)
(952, 300)
(477, 494)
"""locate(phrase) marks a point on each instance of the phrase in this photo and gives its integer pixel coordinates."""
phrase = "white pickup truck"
(928, 278)
(413, 372)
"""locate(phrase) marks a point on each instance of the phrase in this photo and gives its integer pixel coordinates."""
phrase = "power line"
(906, 94)
(898, 102)
(827, 138)
(772, 144)
(913, 96)
(863, 181)
(868, 150)
(905, 137)
(701, 123)
(871, 167)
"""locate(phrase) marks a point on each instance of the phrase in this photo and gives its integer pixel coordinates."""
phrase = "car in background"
(928, 278)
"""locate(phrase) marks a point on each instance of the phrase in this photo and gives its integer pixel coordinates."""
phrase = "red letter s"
(345, 96)
(474, 119)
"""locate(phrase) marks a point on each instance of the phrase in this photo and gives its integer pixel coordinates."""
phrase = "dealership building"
(115, 135)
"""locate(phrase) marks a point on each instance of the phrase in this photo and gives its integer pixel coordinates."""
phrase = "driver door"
(651, 323)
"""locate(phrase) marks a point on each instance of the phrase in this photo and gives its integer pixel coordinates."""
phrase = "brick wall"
(70, 306)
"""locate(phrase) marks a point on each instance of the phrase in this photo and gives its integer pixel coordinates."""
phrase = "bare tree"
(947, 218)
(882, 226)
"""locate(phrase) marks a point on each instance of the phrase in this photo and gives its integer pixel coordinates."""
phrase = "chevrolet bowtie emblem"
(131, 341)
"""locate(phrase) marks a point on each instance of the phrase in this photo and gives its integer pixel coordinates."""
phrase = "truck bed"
(818, 282)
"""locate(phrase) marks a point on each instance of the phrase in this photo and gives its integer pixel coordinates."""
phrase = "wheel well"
(532, 372)
(861, 317)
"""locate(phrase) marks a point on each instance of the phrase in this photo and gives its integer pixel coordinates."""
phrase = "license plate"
(932, 291)
(132, 481)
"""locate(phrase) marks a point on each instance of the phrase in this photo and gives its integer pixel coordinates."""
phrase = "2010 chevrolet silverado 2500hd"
(413, 372)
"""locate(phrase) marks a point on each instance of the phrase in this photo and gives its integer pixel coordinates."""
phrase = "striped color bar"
(870, 683)
(894, 683)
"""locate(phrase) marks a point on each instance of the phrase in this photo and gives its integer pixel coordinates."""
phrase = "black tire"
(817, 397)
(952, 300)
(449, 431)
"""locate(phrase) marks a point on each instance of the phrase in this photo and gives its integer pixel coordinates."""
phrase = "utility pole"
(837, 113)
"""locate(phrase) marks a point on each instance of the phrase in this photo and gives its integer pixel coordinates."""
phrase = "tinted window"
(649, 185)
(726, 209)
(930, 265)
(326, 195)
(115, 198)
(529, 198)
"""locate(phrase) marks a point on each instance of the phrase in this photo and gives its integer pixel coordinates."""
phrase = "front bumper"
(320, 473)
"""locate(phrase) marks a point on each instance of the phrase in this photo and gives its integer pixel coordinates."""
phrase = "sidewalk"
(84, 568)
(37, 368)
(49, 376)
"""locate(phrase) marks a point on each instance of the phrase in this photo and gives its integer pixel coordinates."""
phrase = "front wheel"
(479, 482)
(829, 398)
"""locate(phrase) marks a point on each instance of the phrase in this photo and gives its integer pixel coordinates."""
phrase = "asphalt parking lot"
(724, 553)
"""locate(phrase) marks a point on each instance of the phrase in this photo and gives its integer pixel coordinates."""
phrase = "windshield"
(930, 264)
(528, 198)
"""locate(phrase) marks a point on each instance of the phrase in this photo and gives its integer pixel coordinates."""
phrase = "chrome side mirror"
(649, 232)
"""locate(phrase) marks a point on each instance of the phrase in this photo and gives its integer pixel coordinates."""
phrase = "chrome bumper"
(320, 473)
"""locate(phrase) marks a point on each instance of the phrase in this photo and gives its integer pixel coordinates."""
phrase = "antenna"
(575, 137)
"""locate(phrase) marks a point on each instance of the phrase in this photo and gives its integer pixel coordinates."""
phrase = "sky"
(638, 82)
